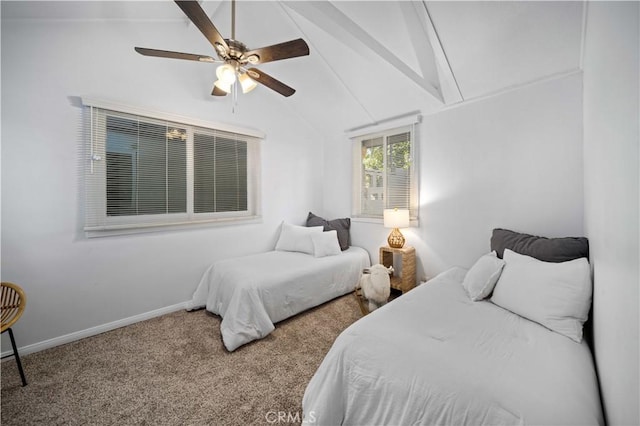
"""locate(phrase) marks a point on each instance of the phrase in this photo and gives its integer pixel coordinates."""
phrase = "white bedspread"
(251, 293)
(435, 357)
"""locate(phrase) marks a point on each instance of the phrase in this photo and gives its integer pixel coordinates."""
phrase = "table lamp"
(396, 218)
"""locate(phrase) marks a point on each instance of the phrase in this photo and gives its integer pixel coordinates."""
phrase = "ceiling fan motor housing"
(235, 52)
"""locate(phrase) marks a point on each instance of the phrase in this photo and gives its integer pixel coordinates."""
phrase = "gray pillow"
(545, 249)
(341, 226)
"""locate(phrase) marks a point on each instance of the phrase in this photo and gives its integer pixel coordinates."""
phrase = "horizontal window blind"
(220, 173)
(146, 167)
(145, 172)
(398, 169)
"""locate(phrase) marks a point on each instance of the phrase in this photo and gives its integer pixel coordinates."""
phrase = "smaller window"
(385, 173)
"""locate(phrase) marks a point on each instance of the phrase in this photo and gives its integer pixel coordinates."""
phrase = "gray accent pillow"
(545, 249)
(341, 226)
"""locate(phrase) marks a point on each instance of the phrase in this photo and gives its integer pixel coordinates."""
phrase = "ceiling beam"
(337, 76)
(330, 19)
(448, 83)
(420, 42)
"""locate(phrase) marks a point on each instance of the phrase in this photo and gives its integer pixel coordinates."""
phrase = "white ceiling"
(374, 60)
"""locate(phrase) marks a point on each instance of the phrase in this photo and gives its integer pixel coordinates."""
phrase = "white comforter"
(435, 357)
(251, 293)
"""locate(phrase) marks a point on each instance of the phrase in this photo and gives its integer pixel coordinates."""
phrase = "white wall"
(611, 138)
(513, 160)
(73, 283)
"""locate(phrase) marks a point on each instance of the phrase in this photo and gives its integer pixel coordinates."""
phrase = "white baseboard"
(72, 337)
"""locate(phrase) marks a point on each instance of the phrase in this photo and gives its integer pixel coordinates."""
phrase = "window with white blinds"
(144, 172)
(385, 173)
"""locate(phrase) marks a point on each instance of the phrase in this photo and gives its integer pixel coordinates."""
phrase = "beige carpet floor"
(174, 370)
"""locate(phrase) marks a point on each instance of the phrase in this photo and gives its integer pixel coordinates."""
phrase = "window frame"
(97, 223)
(403, 125)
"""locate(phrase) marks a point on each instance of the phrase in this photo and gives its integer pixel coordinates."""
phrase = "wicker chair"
(13, 303)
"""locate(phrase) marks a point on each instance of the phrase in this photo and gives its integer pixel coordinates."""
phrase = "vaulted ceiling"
(372, 60)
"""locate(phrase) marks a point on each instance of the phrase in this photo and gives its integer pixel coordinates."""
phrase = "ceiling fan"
(235, 57)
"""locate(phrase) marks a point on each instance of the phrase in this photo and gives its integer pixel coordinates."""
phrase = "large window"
(145, 172)
(385, 173)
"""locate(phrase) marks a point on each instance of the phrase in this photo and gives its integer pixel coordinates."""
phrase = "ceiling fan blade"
(194, 12)
(276, 52)
(218, 92)
(174, 55)
(270, 82)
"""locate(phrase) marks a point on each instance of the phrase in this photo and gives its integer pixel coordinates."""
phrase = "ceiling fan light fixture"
(247, 83)
(226, 74)
(223, 86)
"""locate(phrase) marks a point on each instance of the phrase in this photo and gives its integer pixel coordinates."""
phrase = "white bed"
(252, 293)
(435, 357)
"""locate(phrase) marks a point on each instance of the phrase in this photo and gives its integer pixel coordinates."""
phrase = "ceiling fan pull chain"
(234, 97)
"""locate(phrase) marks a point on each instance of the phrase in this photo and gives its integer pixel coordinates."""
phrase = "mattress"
(432, 356)
(252, 293)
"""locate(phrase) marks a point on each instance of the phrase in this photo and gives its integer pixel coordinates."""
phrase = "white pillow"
(483, 276)
(325, 244)
(556, 295)
(297, 238)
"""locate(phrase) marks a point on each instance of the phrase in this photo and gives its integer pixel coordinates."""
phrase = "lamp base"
(395, 239)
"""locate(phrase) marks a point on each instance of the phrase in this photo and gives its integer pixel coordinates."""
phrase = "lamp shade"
(247, 83)
(396, 218)
(226, 74)
(223, 86)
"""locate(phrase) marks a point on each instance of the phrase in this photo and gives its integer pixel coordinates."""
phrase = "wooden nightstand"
(407, 280)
